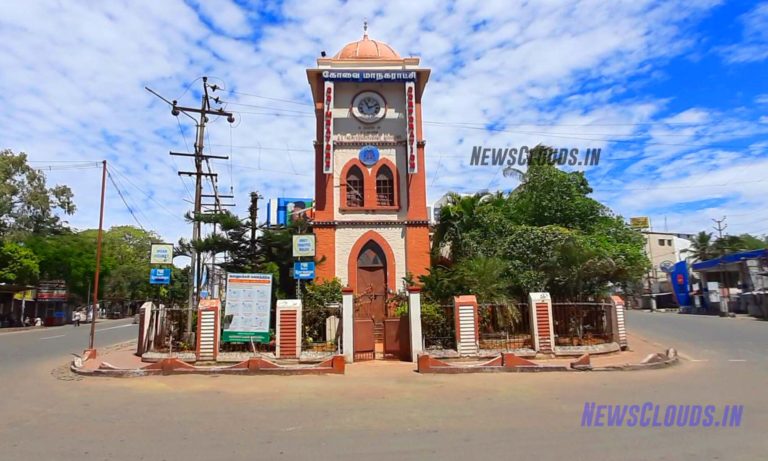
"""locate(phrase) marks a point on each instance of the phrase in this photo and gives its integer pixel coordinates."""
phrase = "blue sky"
(673, 92)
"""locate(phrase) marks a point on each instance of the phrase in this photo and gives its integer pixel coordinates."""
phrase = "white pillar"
(348, 324)
(414, 318)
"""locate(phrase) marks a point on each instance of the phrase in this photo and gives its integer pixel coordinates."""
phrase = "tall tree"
(27, 204)
(18, 265)
(701, 246)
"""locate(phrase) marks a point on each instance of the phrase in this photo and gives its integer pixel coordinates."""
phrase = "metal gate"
(365, 345)
(397, 338)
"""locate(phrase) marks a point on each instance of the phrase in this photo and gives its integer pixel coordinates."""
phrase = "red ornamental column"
(541, 322)
(288, 341)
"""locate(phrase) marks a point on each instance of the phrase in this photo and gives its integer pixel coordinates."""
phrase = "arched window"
(354, 187)
(385, 187)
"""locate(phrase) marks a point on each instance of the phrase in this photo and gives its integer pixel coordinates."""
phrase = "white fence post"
(414, 317)
(348, 324)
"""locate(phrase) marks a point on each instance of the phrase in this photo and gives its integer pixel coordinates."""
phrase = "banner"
(247, 310)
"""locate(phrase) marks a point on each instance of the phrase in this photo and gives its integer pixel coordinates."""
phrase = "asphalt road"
(708, 338)
(20, 349)
(384, 410)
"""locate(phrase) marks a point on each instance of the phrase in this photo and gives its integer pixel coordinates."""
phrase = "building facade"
(663, 250)
(370, 218)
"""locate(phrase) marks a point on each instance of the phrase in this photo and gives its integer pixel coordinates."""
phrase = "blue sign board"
(303, 270)
(369, 155)
(159, 276)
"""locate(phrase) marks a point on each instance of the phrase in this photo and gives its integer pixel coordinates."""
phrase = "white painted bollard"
(348, 324)
(414, 319)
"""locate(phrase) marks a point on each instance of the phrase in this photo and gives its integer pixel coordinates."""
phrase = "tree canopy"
(27, 204)
(546, 235)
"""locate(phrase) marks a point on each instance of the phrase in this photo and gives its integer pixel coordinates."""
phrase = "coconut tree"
(701, 246)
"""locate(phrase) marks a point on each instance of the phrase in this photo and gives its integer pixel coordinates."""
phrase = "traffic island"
(508, 362)
(86, 365)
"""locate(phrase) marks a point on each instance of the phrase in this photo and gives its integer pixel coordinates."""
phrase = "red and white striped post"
(541, 322)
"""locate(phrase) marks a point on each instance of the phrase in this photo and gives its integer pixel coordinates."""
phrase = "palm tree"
(456, 217)
(701, 246)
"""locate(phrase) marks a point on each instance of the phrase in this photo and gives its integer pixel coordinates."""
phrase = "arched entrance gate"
(378, 332)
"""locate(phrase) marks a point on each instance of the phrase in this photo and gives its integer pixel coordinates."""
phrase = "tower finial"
(365, 27)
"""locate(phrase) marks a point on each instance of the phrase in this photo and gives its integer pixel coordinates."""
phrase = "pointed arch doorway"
(371, 283)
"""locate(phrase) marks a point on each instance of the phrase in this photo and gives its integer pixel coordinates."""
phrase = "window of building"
(385, 187)
(669, 243)
(354, 187)
(661, 242)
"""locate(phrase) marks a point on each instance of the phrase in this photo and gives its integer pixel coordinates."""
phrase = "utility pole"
(720, 226)
(200, 157)
(94, 308)
(253, 211)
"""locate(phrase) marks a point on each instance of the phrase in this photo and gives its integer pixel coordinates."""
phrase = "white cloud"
(754, 41)
(541, 71)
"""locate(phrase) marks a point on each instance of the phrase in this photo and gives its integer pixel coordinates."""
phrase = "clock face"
(369, 107)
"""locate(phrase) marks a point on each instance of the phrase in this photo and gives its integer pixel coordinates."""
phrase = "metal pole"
(98, 256)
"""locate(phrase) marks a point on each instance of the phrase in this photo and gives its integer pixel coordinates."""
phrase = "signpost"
(159, 276)
(161, 253)
(247, 312)
(303, 245)
(304, 270)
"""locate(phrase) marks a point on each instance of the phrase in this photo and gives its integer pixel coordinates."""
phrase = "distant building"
(664, 249)
(736, 282)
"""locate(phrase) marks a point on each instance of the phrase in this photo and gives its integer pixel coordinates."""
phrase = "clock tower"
(370, 219)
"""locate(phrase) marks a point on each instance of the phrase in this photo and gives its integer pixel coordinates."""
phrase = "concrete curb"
(174, 366)
(510, 363)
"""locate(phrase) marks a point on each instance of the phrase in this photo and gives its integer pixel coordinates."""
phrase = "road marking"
(699, 360)
(736, 360)
(119, 326)
(51, 337)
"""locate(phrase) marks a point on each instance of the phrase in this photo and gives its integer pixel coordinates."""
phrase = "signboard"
(159, 276)
(667, 266)
(52, 290)
(640, 222)
(28, 295)
(303, 245)
(368, 76)
(284, 211)
(161, 253)
(369, 155)
(249, 301)
(304, 270)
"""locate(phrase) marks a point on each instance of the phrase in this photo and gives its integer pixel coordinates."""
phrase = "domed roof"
(367, 49)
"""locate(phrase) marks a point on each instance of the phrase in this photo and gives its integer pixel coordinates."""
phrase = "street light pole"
(98, 256)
